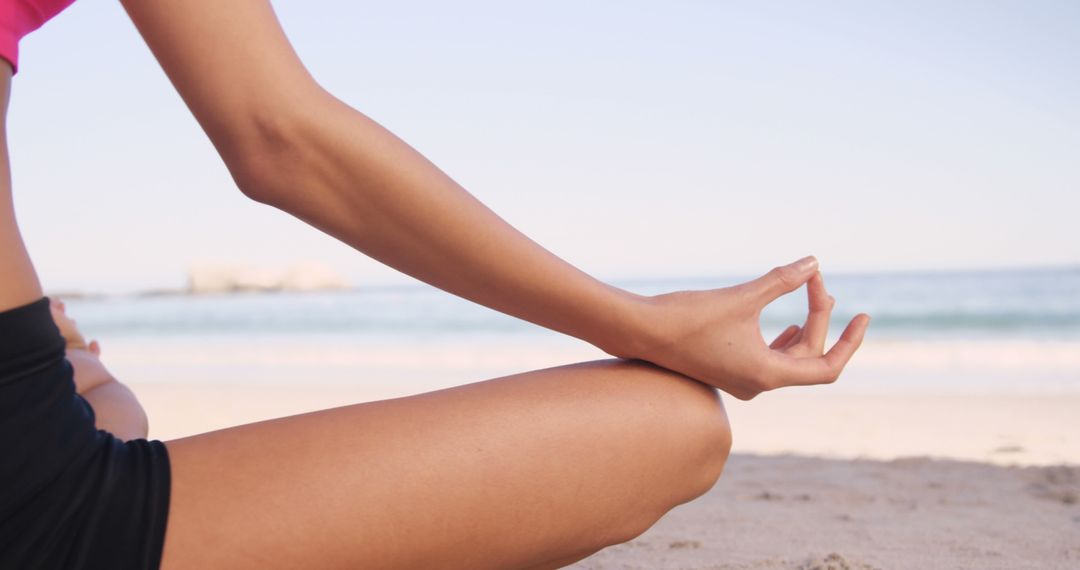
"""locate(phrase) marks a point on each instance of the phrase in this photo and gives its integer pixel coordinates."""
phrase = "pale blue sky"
(643, 139)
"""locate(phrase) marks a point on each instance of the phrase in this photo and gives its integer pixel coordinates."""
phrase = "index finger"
(817, 319)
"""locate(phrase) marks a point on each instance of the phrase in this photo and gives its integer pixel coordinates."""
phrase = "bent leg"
(522, 471)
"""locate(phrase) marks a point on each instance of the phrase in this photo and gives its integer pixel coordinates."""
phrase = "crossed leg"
(534, 470)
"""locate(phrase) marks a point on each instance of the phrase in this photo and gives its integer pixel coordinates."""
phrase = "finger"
(783, 279)
(850, 341)
(794, 371)
(95, 348)
(785, 337)
(817, 320)
(795, 339)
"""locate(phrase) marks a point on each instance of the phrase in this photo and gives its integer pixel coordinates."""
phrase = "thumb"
(784, 279)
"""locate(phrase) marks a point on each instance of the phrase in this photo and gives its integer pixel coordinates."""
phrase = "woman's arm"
(19, 283)
(290, 144)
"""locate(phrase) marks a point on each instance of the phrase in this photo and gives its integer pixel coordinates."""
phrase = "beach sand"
(826, 514)
(881, 480)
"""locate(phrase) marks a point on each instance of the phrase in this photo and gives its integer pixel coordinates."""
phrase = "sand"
(906, 480)
(1004, 429)
(808, 513)
(959, 454)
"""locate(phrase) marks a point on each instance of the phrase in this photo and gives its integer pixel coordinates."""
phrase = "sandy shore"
(1014, 503)
(803, 513)
(929, 455)
(1004, 429)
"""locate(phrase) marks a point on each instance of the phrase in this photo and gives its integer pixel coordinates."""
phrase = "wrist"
(632, 326)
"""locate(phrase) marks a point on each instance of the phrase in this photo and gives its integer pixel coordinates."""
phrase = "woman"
(534, 470)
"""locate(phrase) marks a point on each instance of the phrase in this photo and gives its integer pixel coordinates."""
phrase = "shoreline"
(1014, 366)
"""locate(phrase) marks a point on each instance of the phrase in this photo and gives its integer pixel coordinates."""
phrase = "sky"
(633, 139)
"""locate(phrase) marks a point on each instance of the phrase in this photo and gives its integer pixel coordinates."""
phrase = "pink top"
(20, 17)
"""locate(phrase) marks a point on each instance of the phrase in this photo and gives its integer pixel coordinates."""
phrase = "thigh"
(511, 472)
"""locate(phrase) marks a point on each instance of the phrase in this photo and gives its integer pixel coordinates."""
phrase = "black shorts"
(71, 496)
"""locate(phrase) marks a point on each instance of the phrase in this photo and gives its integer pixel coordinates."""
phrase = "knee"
(689, 437)
(701, 423)
(663, 437)
(715, 431)
(687, 420)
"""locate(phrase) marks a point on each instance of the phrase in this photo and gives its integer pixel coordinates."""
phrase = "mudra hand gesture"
(714, 336)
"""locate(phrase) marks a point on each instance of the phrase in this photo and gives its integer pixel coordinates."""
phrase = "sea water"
(1002, 329)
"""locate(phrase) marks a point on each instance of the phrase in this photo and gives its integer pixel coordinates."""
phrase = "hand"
(714, 336)
(116, 409)
(84, 357)
(70, 330)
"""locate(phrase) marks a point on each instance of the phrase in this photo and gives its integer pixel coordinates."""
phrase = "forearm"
(290, 144)
(345, 174)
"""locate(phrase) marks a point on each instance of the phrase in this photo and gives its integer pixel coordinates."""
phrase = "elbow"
(260, 167)
(270, 156)
(255, 181)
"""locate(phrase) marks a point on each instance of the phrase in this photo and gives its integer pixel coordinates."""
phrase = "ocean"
(982, 330)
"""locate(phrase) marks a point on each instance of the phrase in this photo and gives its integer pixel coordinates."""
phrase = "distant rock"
(310, 276)
(306, 276)
(72, 294)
